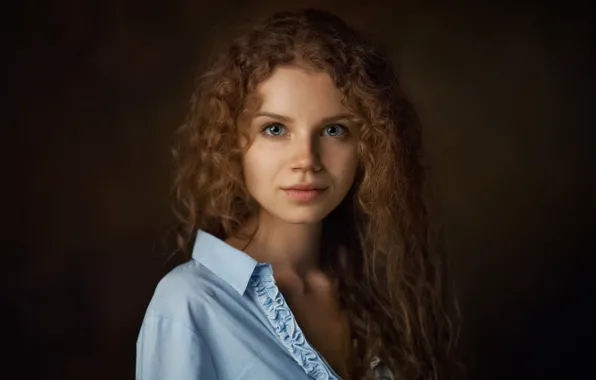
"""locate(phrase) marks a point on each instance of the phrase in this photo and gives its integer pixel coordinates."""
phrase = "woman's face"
(301, 135)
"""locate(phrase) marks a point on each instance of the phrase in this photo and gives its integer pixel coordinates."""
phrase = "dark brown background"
(506, 94)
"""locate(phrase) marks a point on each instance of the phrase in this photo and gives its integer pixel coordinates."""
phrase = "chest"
(325, 326)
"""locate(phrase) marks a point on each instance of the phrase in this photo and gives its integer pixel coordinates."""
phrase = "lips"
(303, 195)
(305, 187)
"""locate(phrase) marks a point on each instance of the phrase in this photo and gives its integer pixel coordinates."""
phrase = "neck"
(292, 249)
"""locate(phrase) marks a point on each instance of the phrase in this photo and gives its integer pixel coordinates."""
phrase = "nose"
(306, 154)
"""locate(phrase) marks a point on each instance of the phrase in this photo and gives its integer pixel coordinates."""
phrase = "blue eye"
(277, 130)
(273, 129)
(336, 130)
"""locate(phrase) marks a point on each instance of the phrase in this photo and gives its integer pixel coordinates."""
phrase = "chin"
(302, 216)
(301, 219)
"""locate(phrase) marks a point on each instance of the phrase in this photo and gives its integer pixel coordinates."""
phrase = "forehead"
(296, 92)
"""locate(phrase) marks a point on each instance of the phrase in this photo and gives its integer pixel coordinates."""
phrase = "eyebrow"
(289, 119)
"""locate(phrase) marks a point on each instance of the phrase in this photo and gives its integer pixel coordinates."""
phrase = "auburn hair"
(377, 244)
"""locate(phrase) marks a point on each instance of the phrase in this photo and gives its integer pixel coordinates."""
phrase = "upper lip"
(304, 186)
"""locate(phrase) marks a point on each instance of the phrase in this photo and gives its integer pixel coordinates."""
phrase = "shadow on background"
(505, 93)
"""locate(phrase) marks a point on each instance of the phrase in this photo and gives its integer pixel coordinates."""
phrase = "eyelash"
(266, 127)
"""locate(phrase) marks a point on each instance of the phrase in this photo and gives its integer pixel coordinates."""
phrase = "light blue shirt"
(220, 316)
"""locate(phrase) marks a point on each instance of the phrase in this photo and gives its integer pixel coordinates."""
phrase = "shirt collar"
(228, 263)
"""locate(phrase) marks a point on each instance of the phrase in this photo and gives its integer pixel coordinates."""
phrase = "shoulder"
(171, 343)
(184, 294)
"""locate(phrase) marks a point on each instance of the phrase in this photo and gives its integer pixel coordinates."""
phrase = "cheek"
(342, 162)
(258, 166)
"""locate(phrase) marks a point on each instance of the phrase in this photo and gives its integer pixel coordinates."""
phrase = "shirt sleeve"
(167, 349)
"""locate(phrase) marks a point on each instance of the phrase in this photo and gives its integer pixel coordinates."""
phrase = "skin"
(312, 141)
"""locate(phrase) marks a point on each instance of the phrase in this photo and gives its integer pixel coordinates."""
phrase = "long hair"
(378, 241)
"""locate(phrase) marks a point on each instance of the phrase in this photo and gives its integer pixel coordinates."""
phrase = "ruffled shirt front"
(221, 316)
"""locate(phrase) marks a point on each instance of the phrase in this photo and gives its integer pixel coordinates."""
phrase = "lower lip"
(304, 195)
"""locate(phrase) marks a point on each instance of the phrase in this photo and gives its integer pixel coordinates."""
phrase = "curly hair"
(378, 243)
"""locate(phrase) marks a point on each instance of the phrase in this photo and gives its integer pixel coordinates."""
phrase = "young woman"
(300, 190)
